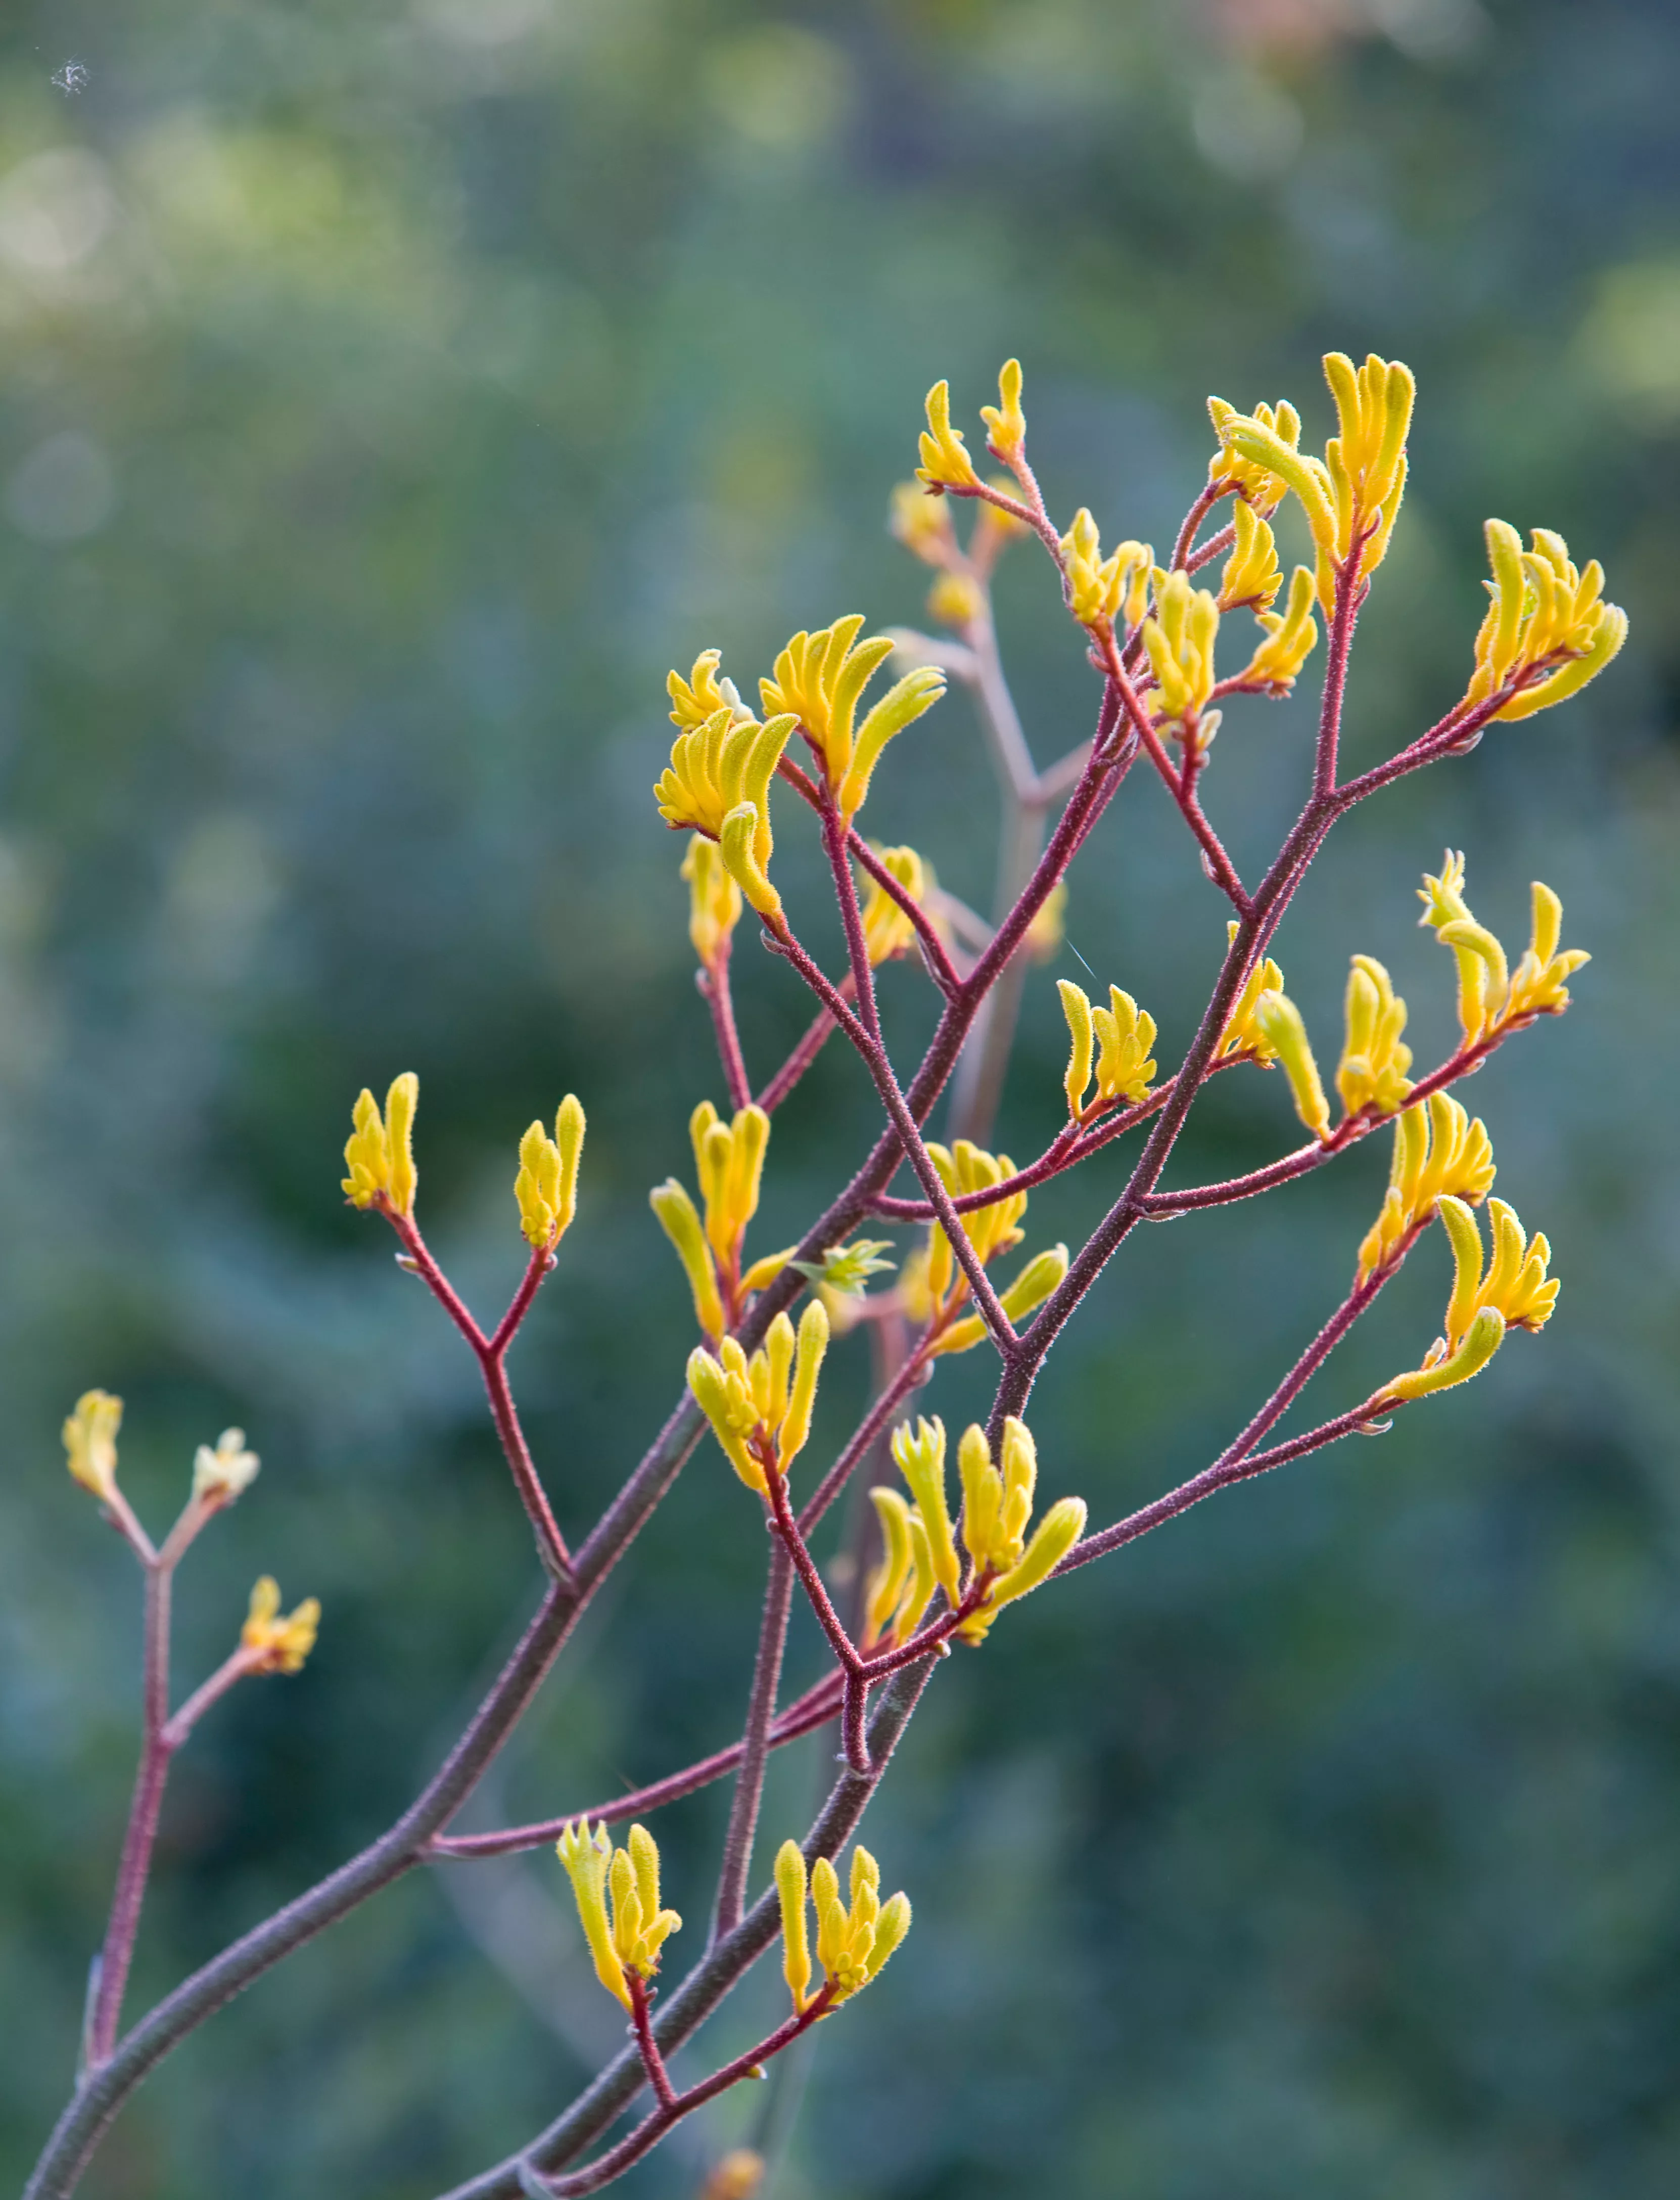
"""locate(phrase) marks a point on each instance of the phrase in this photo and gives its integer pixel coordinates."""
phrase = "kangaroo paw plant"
(946, 1221)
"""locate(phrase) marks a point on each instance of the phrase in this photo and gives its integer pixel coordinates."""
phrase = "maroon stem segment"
(713, 983)
(491, 1354)
(652, 2060)
(816, 1708)
(756, 1742)
(140, 1834)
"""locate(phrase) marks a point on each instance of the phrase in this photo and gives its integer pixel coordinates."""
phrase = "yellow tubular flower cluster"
(1292, 635)
(546, 1184)
(630, 1940)
(729, 1162)
(906, 1566)
(852, 1944)
(919, 1551)
(1101, 590)
(281, 1640)
(1515, 1286)
(818, 680)
(1514, 1293)
(1372, 1073)
(90, 1443)
(1278, 1022)
(1356, 489)
(945, 460)
(935, 1286)
(1243, 1035)
(1258, 485)
(1438, 1148)
(1544, 615)
(920, 1456)
(1180, 638)
(713, 898)
(718, 783)
(767, 1400)
(1491, 998)
(1121, 1036)
(1251, 577)
(887, 931)
(703, 694)
(224, 1475)
(1005, 422)
(997, 1505)
(380, 1153)
(728, 758)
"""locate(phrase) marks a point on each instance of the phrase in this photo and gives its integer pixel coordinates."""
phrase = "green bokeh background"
(391, 393)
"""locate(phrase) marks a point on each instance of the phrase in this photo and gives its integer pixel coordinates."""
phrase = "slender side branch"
(491, 1354)
(135, 1865)
(1210, 1479)
(1181, 785)
(755, 1743)
(906, 1126)
(816, 1708)
(713, 981)
(1347, 1133)
(940, 966)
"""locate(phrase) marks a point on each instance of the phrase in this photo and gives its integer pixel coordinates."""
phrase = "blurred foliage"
(392, 391)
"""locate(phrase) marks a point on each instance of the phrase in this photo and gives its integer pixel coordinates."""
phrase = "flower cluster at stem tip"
(729, 1163)
(760, 1408)
(617, 1893)
(918, 1544)
(270, 1641)
(853, 1940)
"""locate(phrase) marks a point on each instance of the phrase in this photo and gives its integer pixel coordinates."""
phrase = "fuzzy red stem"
(652, 2060)
(713, 982)
(1347, 1133)
(1203, 1484)
(491, 1352)
(738, 1844)
(940, 966)
(135, 1865)
(816, 1708)
(1181, 785)
(227, 1675)
(1212, 496)
(904, 1125)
